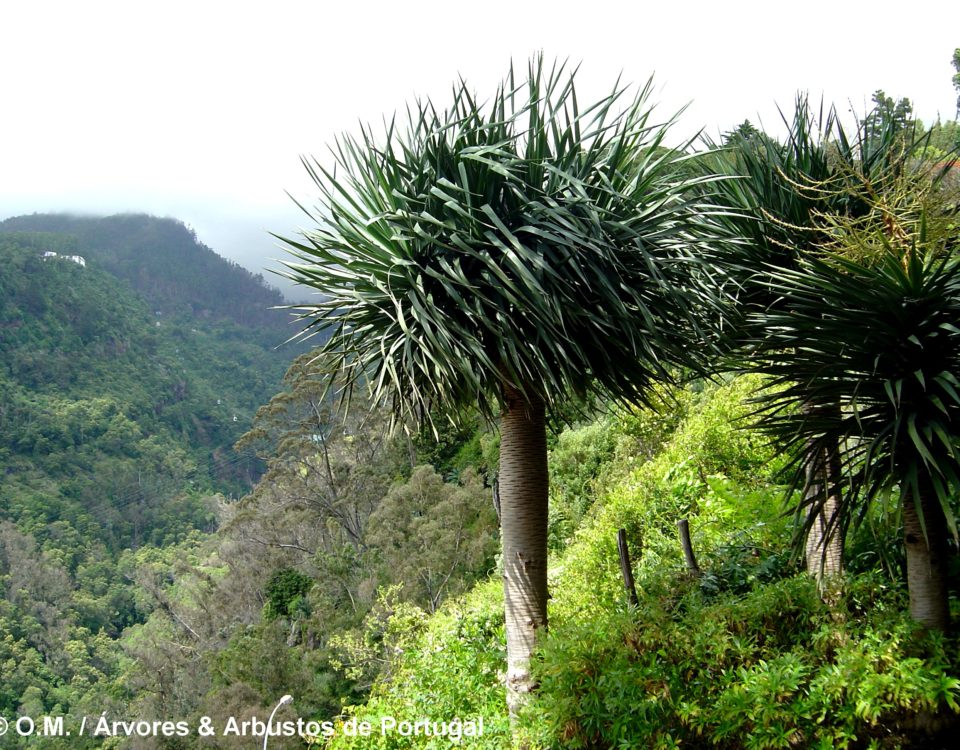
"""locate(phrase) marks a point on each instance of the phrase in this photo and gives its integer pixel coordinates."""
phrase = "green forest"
(590, 440)
(119, 412)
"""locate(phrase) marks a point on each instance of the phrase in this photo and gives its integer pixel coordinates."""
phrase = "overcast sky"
(200, 110)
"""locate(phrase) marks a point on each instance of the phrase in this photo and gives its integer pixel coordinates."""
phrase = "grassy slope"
(746, 656)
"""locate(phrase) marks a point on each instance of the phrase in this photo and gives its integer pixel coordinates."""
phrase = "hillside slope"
(108, 408)
(125, 380)
(743, 654)
(164, 262)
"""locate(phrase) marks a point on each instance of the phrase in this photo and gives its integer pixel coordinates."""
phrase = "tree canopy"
(520, 240)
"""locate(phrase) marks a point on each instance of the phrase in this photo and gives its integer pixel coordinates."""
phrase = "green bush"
(745, 655)
(774, 668)
(452, 669)
(576, 462)
(285, 591)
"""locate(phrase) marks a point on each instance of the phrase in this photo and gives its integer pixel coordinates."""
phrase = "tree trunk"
(523, 528)
(684, 527)
(926, 559)
(824, 543)
(626, 568)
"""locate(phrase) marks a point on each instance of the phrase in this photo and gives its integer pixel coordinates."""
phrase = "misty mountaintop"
(165, 263)
(125, 380)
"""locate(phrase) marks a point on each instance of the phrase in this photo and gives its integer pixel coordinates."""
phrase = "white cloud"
(201, 109)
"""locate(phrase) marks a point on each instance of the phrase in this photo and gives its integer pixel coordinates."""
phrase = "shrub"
(451, 669)
(285, 590)
(576, 462)
(774, 668)
(746, 655)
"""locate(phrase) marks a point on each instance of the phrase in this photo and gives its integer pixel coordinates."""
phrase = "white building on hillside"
(78, 259)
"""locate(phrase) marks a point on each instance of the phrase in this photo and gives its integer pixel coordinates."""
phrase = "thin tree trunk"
(824, 541)
(523, 529)
(926, 559)
(626, 569)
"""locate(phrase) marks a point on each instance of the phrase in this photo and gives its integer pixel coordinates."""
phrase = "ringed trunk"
(523, 528)
(926, 559)
(824, 543)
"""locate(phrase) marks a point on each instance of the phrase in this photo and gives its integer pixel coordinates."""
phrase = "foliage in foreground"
(744, 656)
(772, 668)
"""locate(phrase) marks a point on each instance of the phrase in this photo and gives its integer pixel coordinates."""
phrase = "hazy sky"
(200, 110)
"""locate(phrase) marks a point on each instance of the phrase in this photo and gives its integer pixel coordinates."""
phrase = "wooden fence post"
(688, 555)
(626, 568)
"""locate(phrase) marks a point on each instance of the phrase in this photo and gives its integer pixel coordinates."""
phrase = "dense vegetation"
(133, 581)
(170, 551)
(164, 262)
(113, 403)
(480, 254)
(745, 654)
(117, 424)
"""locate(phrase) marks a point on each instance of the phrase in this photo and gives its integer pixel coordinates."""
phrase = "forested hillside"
(699, 406)
(164, 262)
(120, 400)
(100, 387)
(736, 650)
(183, 532)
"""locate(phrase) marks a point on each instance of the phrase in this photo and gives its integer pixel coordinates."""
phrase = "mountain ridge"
(164, 262)
(128, 376)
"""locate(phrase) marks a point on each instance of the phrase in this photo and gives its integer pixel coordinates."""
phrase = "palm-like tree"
(850, 306)
(509, 256)
(787, 192)
(879, 337)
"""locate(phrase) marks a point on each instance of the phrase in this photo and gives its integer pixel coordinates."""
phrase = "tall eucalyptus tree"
(509, 255)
